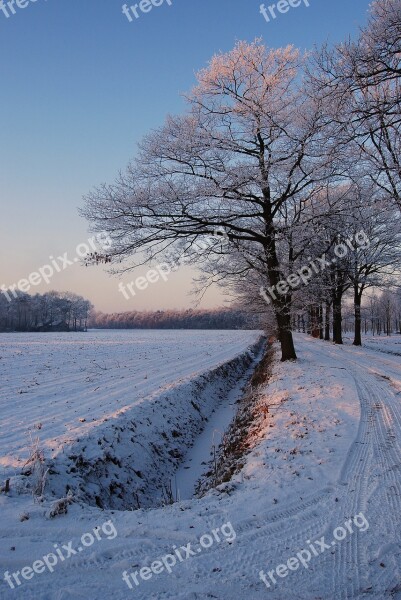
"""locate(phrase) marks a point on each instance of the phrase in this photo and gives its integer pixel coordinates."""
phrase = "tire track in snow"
(376, 429)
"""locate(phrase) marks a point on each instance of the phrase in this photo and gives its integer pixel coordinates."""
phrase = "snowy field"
(320, 489)
(68, 384)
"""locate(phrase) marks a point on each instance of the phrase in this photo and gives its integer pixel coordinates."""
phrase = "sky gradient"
(81, 85)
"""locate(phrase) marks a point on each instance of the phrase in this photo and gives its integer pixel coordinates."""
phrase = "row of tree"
(381, 315)
(53, 311)
(291, 156)
(176, 319)
(69, 312)
(359, 250)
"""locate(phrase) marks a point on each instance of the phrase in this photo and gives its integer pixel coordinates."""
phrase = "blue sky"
(80, 86)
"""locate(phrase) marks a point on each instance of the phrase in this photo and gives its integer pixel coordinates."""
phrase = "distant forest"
(65, 311)
(224, 318)
(53, 311)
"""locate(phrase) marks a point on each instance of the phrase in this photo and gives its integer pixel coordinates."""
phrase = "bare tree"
(361, 85)
(250, 145)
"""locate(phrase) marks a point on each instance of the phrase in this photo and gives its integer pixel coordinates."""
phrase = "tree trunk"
(321, 335)
(357, 313)
(285, 338)
(281, 304)
(337, 318)
(314, 321)
(284, 333)
(327, 322)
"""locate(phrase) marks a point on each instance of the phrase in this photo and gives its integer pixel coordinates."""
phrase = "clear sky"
(80, 86)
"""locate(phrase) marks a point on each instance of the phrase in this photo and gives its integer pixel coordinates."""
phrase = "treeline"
(175, 319)
(53, 311)
(380, 315)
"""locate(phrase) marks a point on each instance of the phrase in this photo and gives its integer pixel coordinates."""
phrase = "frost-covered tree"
(250, 146)
(42, 312)
(360, 82)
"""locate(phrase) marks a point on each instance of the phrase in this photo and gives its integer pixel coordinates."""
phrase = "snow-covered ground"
(383, 343)
(316, 507)
(68, 384)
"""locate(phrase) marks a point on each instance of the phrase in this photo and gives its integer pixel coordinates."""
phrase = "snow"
(382, 343)
(326, 449)
(193, 467)
(71, 383)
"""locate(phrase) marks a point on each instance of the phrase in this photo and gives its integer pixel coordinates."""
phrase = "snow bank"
(128, 461)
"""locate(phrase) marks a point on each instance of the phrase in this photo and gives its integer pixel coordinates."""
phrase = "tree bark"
(285, 336)
(321, 333)
(327, 322)
(314, 321)
(281, 303)
(357, 314)
(337, 318)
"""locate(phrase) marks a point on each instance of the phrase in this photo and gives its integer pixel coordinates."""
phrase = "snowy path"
(348, 462)
(370, 482)
(372, 474)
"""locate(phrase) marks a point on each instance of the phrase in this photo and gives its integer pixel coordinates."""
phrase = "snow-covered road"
(326, 450)
(366, 564)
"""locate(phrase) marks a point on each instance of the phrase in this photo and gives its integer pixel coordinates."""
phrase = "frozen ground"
(325, 455)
